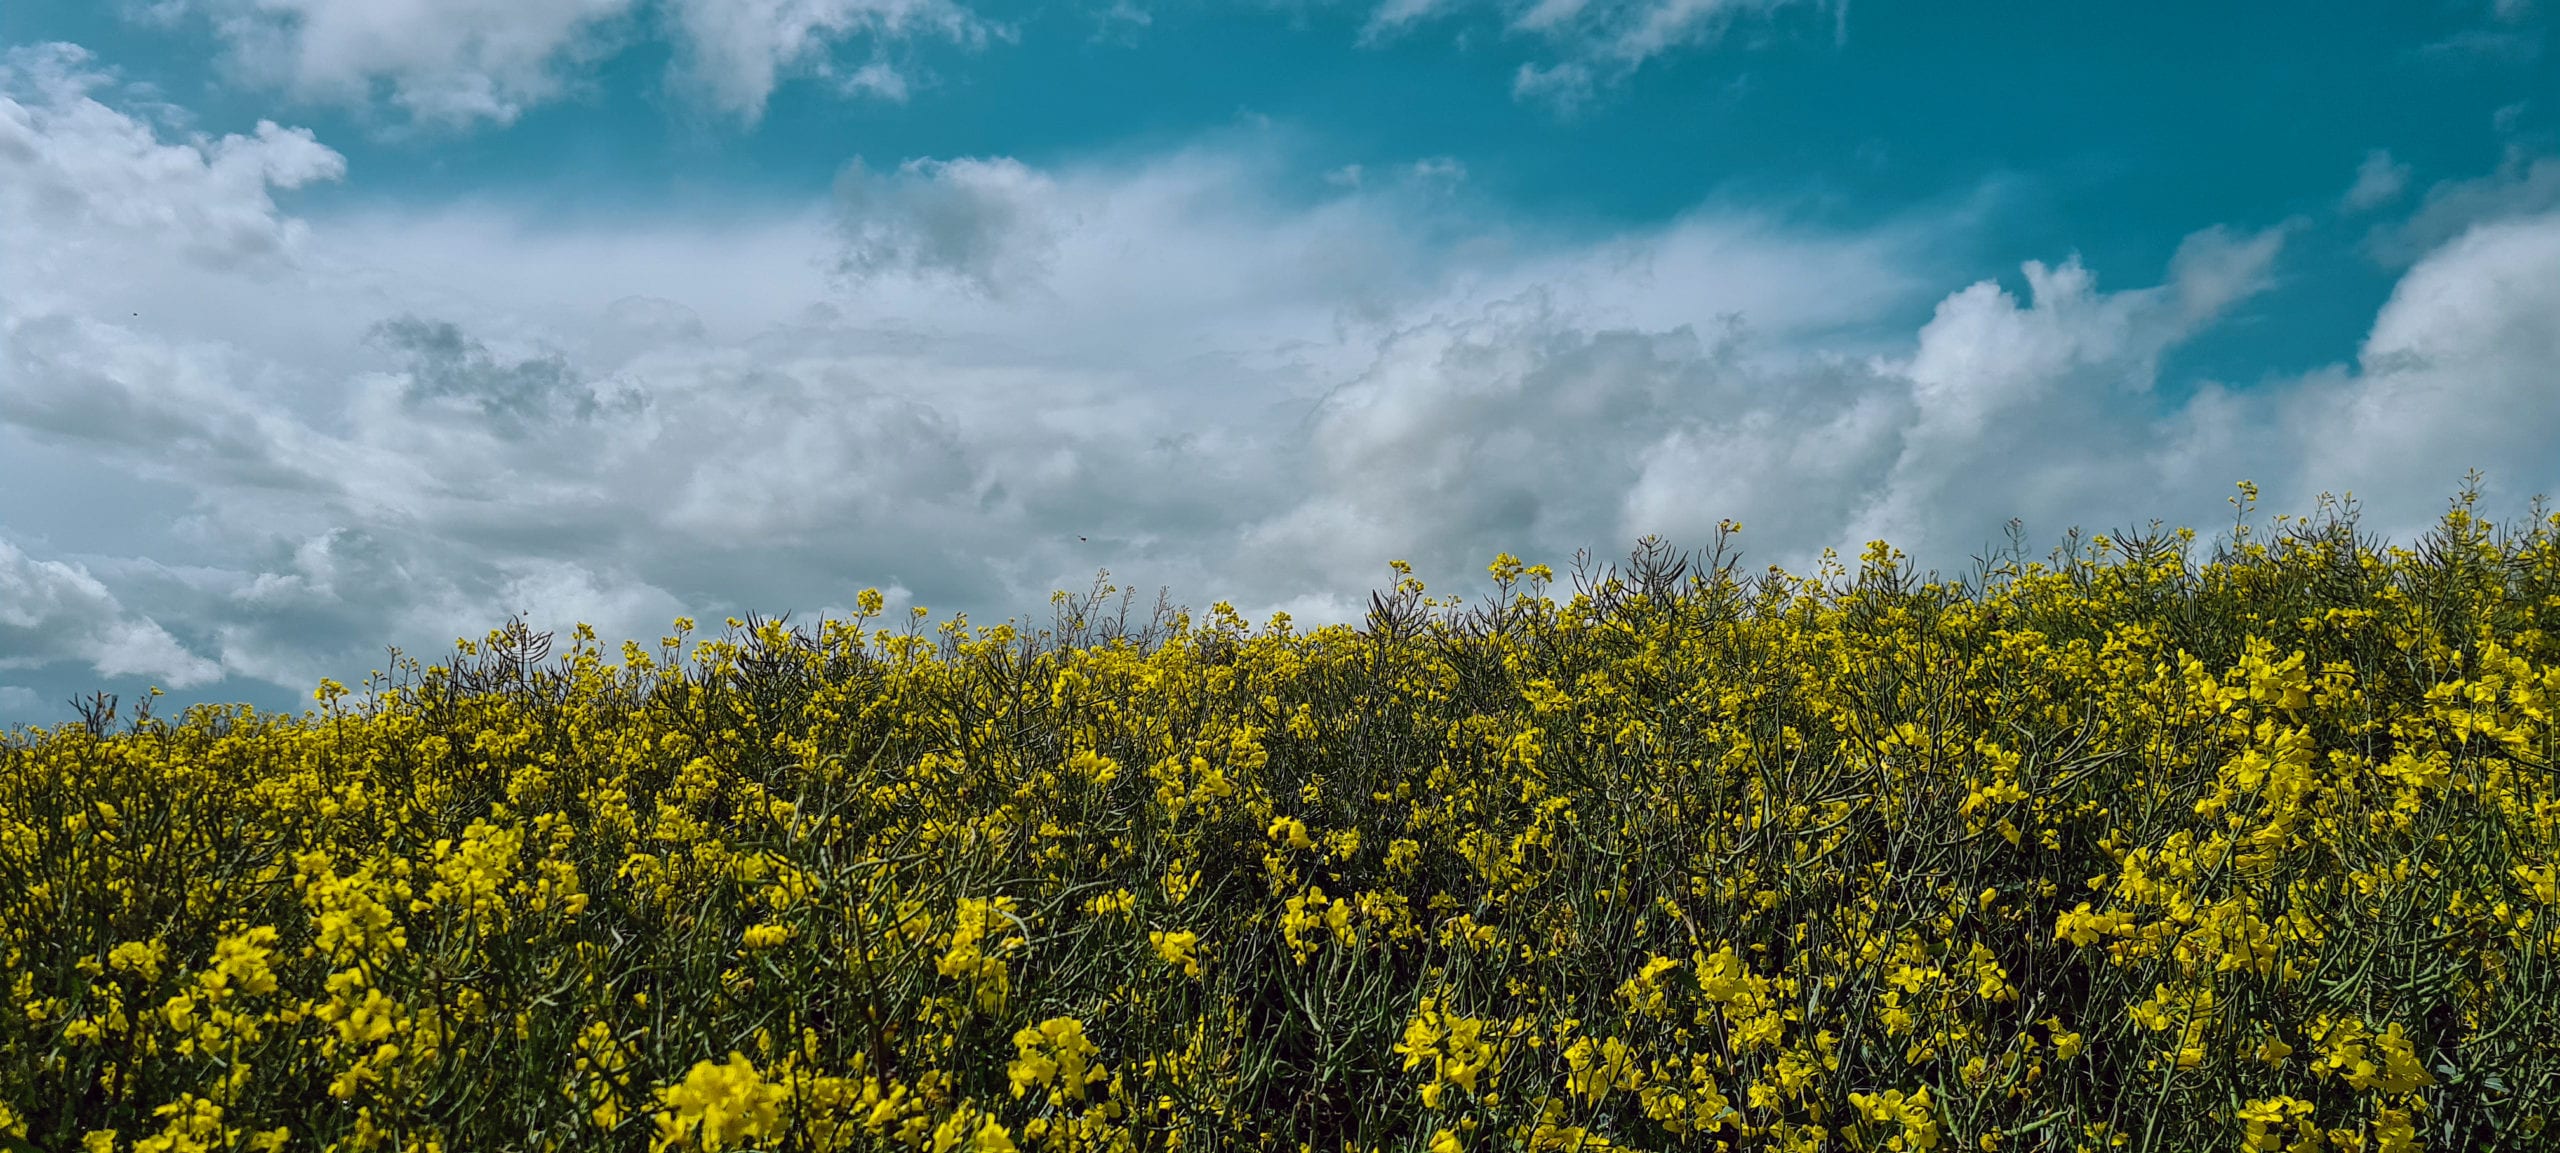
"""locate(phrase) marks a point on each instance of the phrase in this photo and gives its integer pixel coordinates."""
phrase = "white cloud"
(2014, 402)
(1658, 27)
(2379, 181)
(75, 168)
(1548, 14)
(983, 223)
(739, 51)
(406, 424)
(168, 410)
(52, 611)
(1537, 422)
(1566, 86)
(1522, 424)
(430, 418)
(2457, 373)
(1123, 18)
(2215, 268)
(446, 62)
(1394, 16)
(2523, 184)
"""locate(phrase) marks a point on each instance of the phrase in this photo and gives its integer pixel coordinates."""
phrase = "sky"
(333, 326)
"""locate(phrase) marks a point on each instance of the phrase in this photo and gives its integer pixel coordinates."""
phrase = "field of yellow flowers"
(2132, 850)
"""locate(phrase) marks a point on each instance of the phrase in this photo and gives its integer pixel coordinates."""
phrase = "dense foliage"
(2132, 849)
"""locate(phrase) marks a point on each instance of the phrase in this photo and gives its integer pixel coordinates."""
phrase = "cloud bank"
(970, 381)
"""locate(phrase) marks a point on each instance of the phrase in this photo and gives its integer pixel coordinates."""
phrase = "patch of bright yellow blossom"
(2135, 849)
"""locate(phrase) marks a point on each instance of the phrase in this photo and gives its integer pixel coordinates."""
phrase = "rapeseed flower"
(1665, 860)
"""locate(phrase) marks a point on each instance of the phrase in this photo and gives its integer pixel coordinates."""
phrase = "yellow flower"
(1112, 903)
(194, 1126)
(2395, 1132)
(1644, 992)
(1178, 950)
(720, 1106)
(1055, 1052)
(142, 958)
(2267, 1122)
(1598, 1068)
(968, 1131)
(1290, 831)
(1915, 1124)
(2066, 1044)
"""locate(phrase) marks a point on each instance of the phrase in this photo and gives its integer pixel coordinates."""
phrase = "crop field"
(2134, 849)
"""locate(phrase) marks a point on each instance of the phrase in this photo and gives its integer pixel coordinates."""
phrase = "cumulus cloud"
(72, 166)
(446, 62)
(52, 611)
(2456, 373)
(1514, 422)
(1555, 423)
(2008, 395)
(738, 52)
(99, 218)
(165, 409)
(973, 381)
(429, 419)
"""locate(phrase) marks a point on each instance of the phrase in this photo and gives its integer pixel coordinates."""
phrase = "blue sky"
(332, 324)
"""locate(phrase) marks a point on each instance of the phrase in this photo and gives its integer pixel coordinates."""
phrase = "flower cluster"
(2134, 849)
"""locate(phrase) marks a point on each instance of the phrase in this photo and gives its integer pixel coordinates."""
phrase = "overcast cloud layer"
(245, 445)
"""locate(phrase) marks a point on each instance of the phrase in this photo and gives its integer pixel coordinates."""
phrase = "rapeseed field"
(2138, 849)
